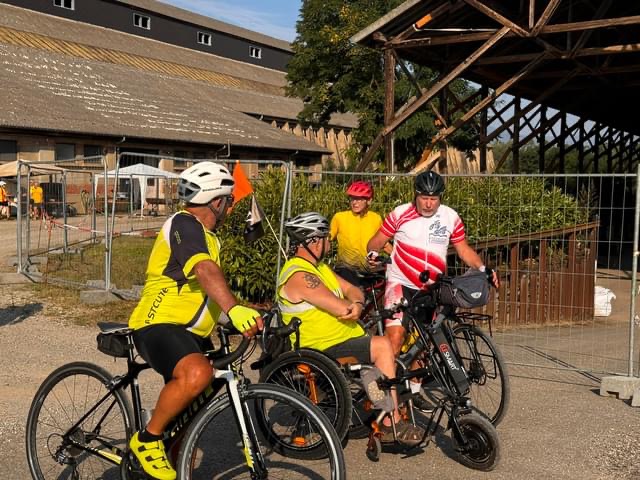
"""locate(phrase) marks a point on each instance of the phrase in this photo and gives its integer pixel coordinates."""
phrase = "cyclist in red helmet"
(353, 229)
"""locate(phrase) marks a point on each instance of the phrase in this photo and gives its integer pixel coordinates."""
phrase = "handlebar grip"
(287, 330)
(228, 359)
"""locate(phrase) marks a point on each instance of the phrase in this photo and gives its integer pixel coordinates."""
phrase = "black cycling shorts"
(163, 346)
(359, 347)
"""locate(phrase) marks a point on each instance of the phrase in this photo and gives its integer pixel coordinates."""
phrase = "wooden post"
(596, 150)
(389, 103)
(541, 139)
(515, 144)
(483, 134)
(562, 141)
(581, 148)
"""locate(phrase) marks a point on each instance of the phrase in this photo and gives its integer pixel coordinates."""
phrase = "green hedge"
(490, 207)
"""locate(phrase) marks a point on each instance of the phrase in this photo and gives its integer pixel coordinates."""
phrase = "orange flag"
(242, 186)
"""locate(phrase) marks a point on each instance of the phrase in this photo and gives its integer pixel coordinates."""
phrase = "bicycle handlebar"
(229, 358)
(286, 330)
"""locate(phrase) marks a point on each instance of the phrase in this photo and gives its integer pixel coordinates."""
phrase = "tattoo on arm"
(311, 280)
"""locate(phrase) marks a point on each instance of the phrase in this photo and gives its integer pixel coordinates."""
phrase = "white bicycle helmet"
(204, 181)
(307, 226)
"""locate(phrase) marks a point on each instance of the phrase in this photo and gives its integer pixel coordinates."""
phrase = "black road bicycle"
(81, 419)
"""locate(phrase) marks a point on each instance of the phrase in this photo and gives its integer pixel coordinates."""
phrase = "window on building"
(204, 38)
(255, 52)
(8, 150)
(69, 4)
(92, 153)
(65, 151)
(142, 21)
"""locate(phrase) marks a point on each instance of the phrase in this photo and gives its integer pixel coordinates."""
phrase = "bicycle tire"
(63, 398)
(227, 458)
(332, 388)
(482, 451)
(490, 390)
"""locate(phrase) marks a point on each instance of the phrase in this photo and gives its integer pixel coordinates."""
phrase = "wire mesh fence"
(562, 244)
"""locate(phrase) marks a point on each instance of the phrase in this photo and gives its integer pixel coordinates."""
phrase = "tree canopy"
(332, 75)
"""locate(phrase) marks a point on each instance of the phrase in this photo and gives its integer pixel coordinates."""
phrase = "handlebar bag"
(470, 290)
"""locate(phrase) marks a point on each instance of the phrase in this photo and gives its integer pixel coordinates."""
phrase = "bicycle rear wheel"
(318, 378)
(55, 448)
(486, 369)
(282, 421)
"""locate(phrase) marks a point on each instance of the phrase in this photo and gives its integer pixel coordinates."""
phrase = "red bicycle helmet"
(360, 189)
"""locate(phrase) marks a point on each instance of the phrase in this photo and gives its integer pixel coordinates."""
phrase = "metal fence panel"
(59, 240)
(555, 240)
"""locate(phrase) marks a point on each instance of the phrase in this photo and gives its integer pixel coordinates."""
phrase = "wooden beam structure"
(562, 74)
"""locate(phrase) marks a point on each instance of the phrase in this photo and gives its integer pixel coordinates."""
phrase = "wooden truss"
(523, 116)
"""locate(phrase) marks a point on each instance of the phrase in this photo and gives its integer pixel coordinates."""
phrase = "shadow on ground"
(18, 313)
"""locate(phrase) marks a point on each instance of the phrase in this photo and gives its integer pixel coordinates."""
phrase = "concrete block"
(97, 297)
(622, 387)
(99, 284)
(635, 400)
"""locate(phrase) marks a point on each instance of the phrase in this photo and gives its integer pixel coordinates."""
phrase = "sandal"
(408, 434)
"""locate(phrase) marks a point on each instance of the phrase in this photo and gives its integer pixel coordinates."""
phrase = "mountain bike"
(481, 358)
(81, 420)
(475, 438)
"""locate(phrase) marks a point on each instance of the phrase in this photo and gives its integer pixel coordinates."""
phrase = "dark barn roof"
(592, 49)
(54, 68)
(42, 90)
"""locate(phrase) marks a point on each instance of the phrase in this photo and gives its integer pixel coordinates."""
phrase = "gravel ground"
(555, 429)
(559, 428)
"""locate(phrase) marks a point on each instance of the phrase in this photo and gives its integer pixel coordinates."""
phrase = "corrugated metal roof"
(45, 90)
(253, 89)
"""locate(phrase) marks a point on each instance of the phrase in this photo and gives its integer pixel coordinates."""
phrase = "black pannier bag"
(470, 290)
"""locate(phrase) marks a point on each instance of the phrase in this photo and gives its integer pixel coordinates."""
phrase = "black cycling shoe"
(422, 403)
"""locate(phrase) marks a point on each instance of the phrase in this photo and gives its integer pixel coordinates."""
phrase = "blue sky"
(276, 18)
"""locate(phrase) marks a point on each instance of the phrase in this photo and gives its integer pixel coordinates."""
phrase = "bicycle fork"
(250, 446)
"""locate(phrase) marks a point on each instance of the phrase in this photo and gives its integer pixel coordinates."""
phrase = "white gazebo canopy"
(139, 172)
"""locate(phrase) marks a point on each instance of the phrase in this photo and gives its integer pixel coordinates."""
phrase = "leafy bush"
(491, 207)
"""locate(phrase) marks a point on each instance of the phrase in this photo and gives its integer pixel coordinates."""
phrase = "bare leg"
(190, 377)
(383, 357)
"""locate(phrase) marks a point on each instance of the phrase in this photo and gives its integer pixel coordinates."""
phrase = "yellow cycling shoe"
(153, 458)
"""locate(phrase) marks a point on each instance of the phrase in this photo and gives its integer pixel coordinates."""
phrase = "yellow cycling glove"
(243, 318)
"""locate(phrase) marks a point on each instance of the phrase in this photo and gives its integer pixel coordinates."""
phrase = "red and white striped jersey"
(420, 243)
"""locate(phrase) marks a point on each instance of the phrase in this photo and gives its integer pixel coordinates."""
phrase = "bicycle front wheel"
(279, 421)
(69, 433)
(486, 369)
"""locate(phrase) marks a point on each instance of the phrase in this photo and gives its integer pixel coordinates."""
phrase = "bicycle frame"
(222, 377)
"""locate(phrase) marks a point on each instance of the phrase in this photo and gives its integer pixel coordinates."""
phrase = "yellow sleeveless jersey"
(353, 232)
(171, 293)
(319, 329)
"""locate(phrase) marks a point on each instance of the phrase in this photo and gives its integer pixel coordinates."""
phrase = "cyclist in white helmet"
(329, 307)
(185, 294)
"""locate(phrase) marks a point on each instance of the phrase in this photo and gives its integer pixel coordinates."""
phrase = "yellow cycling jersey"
(171, 293)
(319, 329)
(353, 232)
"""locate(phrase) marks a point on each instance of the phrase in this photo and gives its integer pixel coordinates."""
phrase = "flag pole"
(276, 237)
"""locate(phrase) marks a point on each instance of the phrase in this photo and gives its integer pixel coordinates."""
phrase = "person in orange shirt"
(4, 201)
